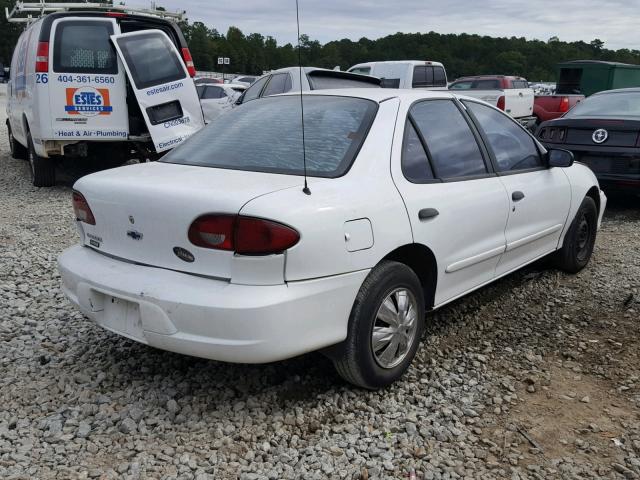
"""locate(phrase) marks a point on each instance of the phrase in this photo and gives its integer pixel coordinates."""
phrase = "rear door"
(163, 88)
(456, 206)
(87, 83)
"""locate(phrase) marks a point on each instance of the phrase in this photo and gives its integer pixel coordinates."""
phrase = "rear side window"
(451, 145)
(512, 147)
(486, 85)
(361, 70)
(415, 163)
(334, 127)
(279, 83)
(213, 92)
(82, 46)
(152, 59)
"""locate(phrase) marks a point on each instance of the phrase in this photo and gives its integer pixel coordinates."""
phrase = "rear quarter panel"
(366, 192)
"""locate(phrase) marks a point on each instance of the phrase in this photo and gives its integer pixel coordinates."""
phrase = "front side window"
(279, 83)
(83, 46)
(152, 59)
(512, 147)
(451, 145)
(334, 128)
(254, 90)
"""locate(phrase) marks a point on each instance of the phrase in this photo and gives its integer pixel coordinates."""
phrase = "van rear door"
(163, 88)
(87, 84)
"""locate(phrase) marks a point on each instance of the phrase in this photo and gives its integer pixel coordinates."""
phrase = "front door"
(539, 197)
(456, 206)
(163, 88)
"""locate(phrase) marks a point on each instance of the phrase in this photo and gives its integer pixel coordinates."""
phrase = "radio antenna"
(304, 147)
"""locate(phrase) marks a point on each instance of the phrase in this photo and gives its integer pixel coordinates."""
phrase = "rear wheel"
(43, 170)
(580, 239)
(385, 326)
(17, 149)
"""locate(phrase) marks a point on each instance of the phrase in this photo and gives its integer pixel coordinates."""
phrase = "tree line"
(462, 54)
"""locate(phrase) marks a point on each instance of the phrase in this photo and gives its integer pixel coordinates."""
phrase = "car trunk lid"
(144, 217)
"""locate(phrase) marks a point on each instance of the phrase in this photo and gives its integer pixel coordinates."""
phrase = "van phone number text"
(86, 79)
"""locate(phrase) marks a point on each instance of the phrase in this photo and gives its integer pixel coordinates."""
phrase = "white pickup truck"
(510, 94)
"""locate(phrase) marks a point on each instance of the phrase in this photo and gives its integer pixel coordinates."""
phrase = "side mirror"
(240, 99)
(559, 158)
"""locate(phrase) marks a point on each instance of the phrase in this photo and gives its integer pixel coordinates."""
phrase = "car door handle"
(427, 213)
(517, 196)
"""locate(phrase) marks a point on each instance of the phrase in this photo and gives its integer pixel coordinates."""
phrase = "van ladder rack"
(27, 12)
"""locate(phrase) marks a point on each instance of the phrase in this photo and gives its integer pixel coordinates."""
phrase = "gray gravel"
(536, 376)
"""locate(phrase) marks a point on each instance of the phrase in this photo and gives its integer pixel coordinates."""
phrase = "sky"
(613, 21)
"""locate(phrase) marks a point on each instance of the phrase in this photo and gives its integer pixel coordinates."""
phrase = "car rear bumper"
(206, 317)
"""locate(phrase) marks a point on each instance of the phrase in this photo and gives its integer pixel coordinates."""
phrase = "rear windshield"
(625, 104)
(152, 59)
(83, 46)
(266, 136)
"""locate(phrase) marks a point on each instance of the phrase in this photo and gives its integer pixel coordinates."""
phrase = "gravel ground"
(536, 376)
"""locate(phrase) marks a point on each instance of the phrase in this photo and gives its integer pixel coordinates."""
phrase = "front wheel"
(580, 239)
(43, 170)
(385, 326)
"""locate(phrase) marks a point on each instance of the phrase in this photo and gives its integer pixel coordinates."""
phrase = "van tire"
(43, 170)
(18, 151)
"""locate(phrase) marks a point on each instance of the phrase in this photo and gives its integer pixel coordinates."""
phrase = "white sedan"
(414, 199)
(218, 98)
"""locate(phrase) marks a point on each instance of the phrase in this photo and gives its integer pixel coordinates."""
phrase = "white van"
(406, 73)
(99, 85)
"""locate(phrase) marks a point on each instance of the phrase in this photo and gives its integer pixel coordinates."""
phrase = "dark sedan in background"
(603, 132)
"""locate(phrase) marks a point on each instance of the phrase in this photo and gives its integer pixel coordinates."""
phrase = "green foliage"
(462, 54)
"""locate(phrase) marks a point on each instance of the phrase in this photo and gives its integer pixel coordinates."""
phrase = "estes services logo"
(88, 101)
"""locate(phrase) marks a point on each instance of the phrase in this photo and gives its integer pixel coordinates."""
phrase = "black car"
(603, 132)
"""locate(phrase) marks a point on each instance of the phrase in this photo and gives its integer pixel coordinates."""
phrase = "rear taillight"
(188, 61)
(42, 57)
(500, 104)
(82, 210)
(243, 235)
(564, 104)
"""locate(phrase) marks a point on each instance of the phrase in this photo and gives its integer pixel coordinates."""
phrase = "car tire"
(388, 288)
(17, 150)
(580, 239)
(43, 170)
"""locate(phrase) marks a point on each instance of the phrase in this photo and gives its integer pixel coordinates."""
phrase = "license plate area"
(123, 317)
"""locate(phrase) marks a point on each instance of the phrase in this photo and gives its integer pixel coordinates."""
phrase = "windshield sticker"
(88, 101)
